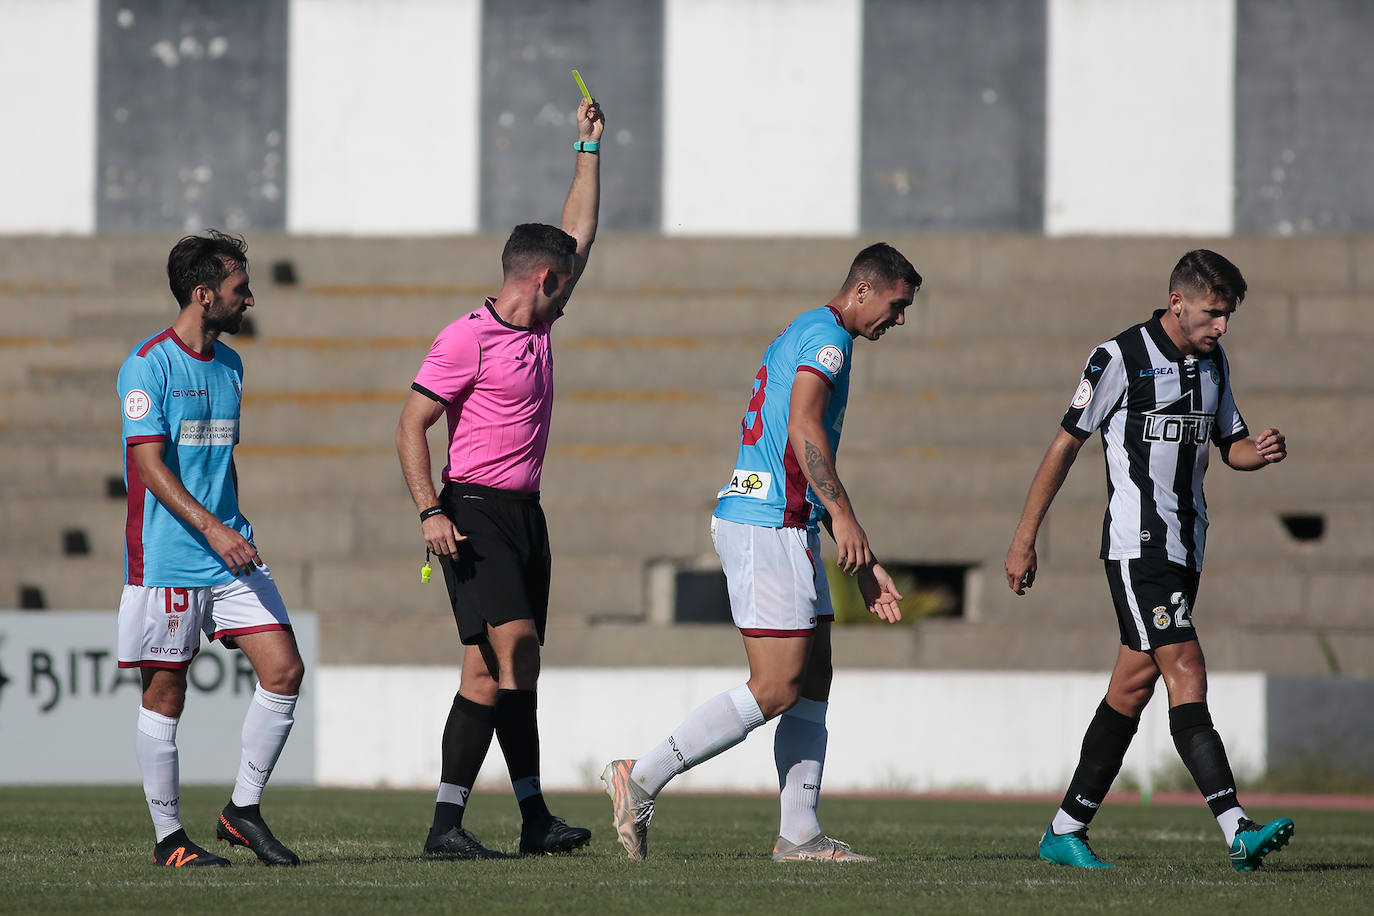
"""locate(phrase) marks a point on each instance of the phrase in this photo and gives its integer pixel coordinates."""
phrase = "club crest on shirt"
(754, 484)
(1083, 395)
(831, 357)
(173, 624)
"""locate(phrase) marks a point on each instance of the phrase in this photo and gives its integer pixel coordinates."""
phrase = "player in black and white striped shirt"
(1160, 392)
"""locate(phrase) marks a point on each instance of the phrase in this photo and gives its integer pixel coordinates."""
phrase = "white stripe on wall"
(47, 113)
(887, 728)
(384, 131)
(761, 120)
(1140, 117)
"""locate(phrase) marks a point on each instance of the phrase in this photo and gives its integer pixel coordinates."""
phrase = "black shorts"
(1154, 601)
(501, 572)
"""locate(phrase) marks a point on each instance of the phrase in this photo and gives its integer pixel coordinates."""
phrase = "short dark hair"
(881, 264)
(204, 260)
(535, 245)
(1203, 272)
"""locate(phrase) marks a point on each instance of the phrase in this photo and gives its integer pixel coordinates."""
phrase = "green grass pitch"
(88, 849)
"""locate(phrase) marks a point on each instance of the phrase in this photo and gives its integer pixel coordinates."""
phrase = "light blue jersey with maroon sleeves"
(767, 487)
(190, 402)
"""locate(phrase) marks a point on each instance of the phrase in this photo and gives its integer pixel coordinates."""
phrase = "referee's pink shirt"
(496, 382)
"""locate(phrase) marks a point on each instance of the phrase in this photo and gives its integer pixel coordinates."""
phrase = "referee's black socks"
(1204, 755)
(1105, 742)
(467, 737)
(517, 731)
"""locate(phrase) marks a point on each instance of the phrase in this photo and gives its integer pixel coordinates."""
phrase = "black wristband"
(431, 512)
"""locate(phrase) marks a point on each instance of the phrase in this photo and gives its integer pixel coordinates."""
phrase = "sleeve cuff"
(819, 374)
(1074, 431)
(416, 386)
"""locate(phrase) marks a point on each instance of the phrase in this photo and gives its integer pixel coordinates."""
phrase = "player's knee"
(284, 679)
(775, 699)
(166, 700)
(1130, 699)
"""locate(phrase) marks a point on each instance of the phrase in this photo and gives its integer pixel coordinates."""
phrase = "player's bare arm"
(418, 415)
(582, 208)
(238, 552)
(1269, 447)
(1021, 562)
(806, 432)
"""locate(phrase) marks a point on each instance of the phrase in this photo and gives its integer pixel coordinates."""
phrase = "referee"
(490, 373)
(1160, 392)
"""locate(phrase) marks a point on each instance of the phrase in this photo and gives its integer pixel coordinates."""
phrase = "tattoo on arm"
(823, 476)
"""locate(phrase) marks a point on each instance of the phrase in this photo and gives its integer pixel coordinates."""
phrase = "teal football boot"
(1070, 849)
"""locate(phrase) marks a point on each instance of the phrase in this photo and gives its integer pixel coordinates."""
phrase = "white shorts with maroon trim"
(776, 581)
(161, 627)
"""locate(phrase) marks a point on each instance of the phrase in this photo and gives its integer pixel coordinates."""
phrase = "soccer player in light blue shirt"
(765, 528)
(190, 562)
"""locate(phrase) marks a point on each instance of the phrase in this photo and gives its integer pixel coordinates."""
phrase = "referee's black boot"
(457, 843)
(245, 827)
(547, 835)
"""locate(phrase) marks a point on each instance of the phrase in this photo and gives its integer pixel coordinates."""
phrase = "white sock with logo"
(265, 728)
(155, 747)
(799, 752)
(716, 725)
(1229, 820)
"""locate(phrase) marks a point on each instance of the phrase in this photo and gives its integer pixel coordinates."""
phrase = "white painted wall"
(889, 730)
(47, 116)
(384, 104)
(761, 124)
(1140, 111)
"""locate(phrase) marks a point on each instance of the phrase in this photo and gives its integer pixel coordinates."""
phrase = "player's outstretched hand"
(852, 543)
(1020, 565)
(441, 537)
(879, 593)
(1271, 446)
(237, 552)
(590, 120)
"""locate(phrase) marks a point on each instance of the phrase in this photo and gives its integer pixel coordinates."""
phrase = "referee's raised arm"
(582, 208)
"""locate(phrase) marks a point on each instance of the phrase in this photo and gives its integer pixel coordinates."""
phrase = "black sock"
(467, 736)
(1104, 747)
(517, 731)
(1204, 755)
(252, 811)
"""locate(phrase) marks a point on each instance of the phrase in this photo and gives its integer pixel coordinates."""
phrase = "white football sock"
(1228, 820)
(265, 728)
(1063, 823)
(155, 746)
(799, 752)
(716, 725)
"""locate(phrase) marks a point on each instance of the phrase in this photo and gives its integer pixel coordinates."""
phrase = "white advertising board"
(68, 711)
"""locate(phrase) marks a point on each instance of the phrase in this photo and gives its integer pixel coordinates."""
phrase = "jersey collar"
(203, 357)
(1155, 327)
(491, 307)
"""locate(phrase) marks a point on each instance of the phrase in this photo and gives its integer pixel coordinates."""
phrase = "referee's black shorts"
(501, 572)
